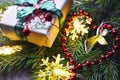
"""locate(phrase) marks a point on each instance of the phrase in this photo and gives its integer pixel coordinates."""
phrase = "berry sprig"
(47, 17)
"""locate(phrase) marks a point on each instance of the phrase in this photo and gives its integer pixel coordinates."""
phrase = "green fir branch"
(107, 70)
(110, 71)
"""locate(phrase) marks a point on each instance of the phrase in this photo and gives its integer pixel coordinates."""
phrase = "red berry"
(68, 56)
(64, 33)
(63, 39)
(102, 57)
(117, 40)
(63, 45)
(74, 14)
(29, 18)
(66, 53)
(116, 48)
(104, 26)
(73, 69)
(96, 61)
(70, 19)
(91, 21)
(114, 32)
(95, 27)
(88, 63)
(110, 53)
(109, 27)
(48, 17)
(37, 12)
(81, 11)
(79, 66)
(65, 50)
(87, 14)
(71, 62)
(67, 26)
(26, 32)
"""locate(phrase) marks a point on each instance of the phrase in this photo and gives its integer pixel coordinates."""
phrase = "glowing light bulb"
(59, 72)
(7, 50)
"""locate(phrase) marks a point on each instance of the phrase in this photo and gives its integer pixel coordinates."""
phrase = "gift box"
(44, 33)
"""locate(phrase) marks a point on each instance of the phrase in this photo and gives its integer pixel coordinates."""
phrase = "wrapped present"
(35, 21)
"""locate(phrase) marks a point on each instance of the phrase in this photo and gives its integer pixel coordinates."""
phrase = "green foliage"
(4, 4)
(107, 70)
(110, 71)
(76, 47)
(100, 10)
(20, 60)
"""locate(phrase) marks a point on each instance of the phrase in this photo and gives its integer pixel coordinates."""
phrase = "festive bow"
(29, 6)
(99, 37)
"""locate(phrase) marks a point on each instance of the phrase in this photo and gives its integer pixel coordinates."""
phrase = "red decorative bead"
(116, 48)
(66, 53)
(91, 21)
(109, 27)
(88, 63)
(74, 14)
(71, 62)
(73, 70)
(64, 39)
(48, 17)
(110, 53)
(102, 57)
(96, 61)
(87, 14)
(67, 26)
(104, 26)
(29, 18)
(95, 27)
(114, 32)
(79, 66)
(65, 50)
(68, 56)
(37, 12)
(63, 45)
(81, 11)
(70, 19)
(26, 32)
(117, 40)
(64, 33)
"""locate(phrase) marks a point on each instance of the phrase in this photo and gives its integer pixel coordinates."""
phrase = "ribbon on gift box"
(30, 9)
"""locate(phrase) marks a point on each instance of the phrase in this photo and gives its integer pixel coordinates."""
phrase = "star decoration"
(54, 70)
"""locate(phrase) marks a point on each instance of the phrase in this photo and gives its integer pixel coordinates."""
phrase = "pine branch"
(96, 74)
(107, 70)
(76, 48)
(4, 4)
(110, 71)
(19, 60)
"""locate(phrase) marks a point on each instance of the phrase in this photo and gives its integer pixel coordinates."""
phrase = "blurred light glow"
(8, 50)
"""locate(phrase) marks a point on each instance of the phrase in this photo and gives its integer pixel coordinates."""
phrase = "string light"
(8, 50)
(77, 26)
(54, 70)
